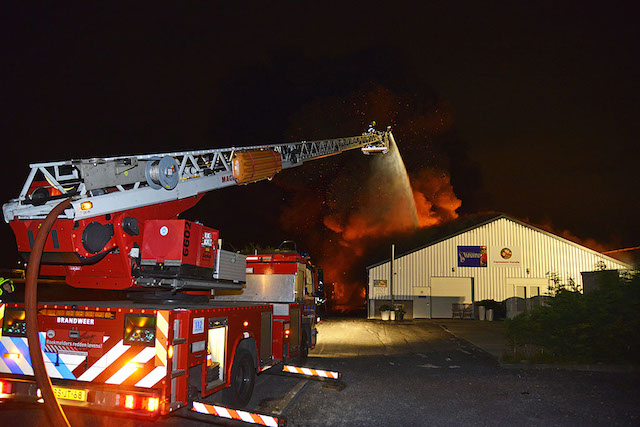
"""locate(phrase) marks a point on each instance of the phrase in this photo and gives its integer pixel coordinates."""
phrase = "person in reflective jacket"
(6, 287)
(372, 127)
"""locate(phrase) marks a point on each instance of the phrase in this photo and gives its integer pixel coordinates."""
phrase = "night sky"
(530, 109)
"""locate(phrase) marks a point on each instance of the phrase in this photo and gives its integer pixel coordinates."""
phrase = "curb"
(444, 328)
(578, 368)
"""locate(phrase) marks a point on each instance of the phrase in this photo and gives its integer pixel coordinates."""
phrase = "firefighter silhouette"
(372, 127)
(6, 287)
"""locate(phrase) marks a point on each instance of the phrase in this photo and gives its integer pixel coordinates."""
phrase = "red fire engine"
(209, 320)
(282, 277)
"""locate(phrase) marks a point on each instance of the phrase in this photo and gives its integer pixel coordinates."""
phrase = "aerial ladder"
(111, 232)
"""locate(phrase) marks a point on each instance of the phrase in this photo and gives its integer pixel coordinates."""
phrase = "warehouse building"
(480, 258)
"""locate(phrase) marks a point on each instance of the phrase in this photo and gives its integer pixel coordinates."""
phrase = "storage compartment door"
(265, 337)
(216, 351)
(294, 336)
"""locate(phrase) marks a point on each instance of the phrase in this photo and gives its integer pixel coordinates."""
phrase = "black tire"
(243, 379)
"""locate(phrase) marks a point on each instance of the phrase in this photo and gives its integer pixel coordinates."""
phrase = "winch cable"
(52, 407)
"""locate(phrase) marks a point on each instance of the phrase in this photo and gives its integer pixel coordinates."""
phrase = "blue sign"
(472, 256)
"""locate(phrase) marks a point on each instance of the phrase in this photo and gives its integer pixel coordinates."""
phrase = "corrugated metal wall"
(542, 253)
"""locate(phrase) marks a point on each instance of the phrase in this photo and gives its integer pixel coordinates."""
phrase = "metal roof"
(434, 235)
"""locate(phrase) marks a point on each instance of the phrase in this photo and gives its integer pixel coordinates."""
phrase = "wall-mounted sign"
(505, 256)
(472, 256)
(380, 287)
(379, 283)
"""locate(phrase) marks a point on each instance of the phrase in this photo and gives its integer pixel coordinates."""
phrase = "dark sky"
(542, 97)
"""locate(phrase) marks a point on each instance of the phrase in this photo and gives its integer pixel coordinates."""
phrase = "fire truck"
(282, 277)
(199, 320)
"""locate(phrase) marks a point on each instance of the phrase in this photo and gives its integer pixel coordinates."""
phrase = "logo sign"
(506, 256)
(472, 256)
(75, 320)
(506, 253)
(379, 283)
(74, 341)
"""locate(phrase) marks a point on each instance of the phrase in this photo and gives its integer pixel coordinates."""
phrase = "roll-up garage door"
(446, 291)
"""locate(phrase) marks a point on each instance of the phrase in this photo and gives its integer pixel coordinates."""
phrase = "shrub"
(602, 326)
(385, 307)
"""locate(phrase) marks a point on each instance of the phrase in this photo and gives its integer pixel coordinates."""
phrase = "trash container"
(489, 315)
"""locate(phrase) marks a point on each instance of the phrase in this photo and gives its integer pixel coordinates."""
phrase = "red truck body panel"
(109, 351)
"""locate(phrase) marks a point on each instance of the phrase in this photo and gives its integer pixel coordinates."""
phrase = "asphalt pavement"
(417, 373)
(488, 336)
(423, 373)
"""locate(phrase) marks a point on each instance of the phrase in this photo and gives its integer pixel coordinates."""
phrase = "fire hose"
(52, 407)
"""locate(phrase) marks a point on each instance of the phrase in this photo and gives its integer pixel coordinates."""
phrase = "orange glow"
(170, 352)
(85, 206)
(363, 293)
(245, 324)
(152, 404)
(369, 203)
(435, 203)
(12, 356)
(287, 331)
(435, 200)
(129, 401)
(134, 365)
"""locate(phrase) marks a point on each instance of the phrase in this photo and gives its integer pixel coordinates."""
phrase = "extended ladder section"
(102, 186)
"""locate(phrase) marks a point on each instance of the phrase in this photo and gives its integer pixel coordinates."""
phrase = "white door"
(525, 294)
(421, 302)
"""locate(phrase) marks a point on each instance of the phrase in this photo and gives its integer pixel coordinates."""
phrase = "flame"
(434, 197)
(435, 203)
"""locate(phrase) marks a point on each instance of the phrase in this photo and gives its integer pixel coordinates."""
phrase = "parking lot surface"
(416, 373)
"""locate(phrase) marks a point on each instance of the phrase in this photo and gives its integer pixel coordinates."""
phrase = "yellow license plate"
(70, 394)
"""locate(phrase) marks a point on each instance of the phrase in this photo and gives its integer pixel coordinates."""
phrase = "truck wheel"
(304, 349)
(242, 381)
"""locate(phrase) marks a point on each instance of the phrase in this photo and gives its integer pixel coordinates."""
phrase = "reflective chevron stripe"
(311, 372)
(20, 364)
(236, 414)
(121, 364)
(162, 335)
(152, 378)
(106, 360)
(131, 366)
